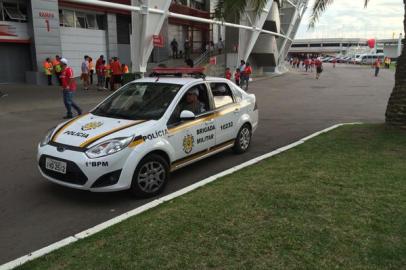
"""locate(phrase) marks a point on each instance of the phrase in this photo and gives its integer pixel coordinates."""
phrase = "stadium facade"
(31, 31)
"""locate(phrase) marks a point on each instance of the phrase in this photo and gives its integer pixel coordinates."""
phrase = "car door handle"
(237, 110)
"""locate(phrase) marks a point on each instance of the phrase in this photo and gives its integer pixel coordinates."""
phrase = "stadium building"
(31, 31)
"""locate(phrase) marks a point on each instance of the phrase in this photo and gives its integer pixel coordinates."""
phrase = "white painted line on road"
(38, 253)
(152, 204)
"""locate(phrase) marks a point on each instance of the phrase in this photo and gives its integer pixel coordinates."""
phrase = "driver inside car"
(193, 103)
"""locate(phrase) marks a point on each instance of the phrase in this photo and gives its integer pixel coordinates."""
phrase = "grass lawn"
(337, 201)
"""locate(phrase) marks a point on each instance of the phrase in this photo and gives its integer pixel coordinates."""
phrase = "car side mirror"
(187, 115)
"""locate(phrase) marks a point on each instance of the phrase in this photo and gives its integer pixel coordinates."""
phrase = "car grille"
(74, 174)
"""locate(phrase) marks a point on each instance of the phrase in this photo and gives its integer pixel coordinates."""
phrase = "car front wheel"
(150, 176)
(243, 140)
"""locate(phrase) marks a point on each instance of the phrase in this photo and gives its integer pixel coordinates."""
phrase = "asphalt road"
(35, 213)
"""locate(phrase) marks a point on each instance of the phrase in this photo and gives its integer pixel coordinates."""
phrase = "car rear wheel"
(243, 140)
(150, 176)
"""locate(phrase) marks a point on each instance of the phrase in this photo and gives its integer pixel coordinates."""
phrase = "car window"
(145, 101)
(222, 94)
(195, 99)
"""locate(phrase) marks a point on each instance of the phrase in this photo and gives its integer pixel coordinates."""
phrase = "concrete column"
(46, 36)
(111, 35)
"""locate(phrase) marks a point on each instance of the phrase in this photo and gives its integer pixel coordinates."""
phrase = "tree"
(396, 109)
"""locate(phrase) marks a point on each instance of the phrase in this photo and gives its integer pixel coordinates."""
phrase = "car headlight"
(47, 137)
(109, 147)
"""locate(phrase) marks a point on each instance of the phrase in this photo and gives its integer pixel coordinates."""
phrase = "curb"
(152, 204)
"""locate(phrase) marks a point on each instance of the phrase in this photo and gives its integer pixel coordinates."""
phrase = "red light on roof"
(178, 70)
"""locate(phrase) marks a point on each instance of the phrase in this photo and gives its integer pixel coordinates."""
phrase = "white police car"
(147, 129)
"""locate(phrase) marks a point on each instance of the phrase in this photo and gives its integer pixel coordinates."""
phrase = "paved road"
(35, 213)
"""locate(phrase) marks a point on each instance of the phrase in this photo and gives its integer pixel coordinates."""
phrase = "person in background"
(319, 67)
(377, 66)
(48, 68)
(237, 75)
(85, 72)
(220, 46)
(99, 64)
(125, 69)
(100, 71)
(334, 61)
(107, 72)
(68, 89)
(57, 68)
(247, 74)
(91, 70)
(174, 47)
(116, 74)
(187, 48)
(242, 68)
(228, 74)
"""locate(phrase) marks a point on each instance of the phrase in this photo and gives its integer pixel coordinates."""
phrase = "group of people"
(109, 74)
(242, 74)
(53, 67)
(308, 64)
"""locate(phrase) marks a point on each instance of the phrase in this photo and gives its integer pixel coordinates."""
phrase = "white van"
(369, 59)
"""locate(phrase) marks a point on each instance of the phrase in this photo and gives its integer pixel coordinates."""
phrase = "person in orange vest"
(48, 68)
(247, 74)
(57, 68)
(124, 69)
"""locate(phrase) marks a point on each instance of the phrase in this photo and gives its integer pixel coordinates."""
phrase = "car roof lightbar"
(196, 72)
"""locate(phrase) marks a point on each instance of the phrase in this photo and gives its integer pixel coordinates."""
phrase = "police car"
(145, 130)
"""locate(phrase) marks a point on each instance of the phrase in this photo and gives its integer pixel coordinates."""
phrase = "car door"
(192, 138)
(227, 109)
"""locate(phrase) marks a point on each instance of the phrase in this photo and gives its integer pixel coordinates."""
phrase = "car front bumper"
(103, 174)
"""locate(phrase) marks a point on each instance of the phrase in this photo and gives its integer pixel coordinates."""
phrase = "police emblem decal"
(91, 125)
(188, 142)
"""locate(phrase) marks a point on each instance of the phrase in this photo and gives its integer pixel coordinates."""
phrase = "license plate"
(55, 165)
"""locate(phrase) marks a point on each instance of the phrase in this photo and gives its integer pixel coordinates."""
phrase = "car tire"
(243, 139)
(150, 176)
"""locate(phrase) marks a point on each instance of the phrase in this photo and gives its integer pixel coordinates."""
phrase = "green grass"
(337, 201)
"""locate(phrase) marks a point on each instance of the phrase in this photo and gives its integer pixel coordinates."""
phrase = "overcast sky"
(349, 19)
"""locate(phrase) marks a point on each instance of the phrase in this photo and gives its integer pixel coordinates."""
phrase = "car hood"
(86, 130)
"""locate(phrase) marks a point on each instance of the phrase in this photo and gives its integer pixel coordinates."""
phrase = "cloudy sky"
(349, 18)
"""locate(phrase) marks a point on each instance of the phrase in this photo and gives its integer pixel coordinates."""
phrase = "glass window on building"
(78, 19)
(13, 11)
(67, 18)
(81, 20)
(91, 21)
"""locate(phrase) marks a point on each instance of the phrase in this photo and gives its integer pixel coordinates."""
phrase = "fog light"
(108, 179)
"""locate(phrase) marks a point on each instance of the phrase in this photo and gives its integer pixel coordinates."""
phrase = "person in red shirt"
(99, 63)
(247, 74)
(116, 74)
(68, 89)
(319, 67)
(228, 74)
(237, 76)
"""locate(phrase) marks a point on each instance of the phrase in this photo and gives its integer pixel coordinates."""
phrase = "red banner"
(158, 41)
(213, 60)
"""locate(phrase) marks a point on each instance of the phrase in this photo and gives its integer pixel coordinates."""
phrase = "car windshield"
(139, 101)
